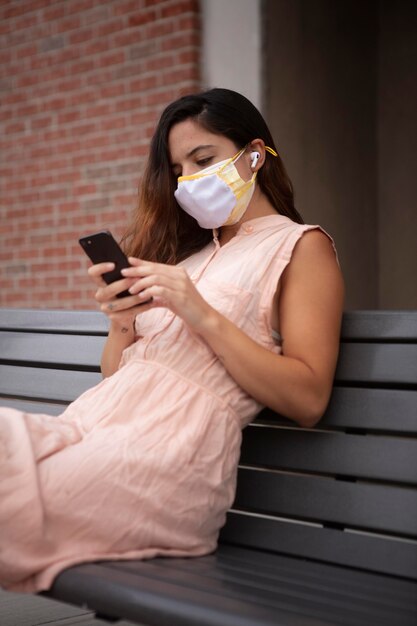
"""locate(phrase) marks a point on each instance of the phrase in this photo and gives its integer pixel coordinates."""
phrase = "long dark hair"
(161, 231)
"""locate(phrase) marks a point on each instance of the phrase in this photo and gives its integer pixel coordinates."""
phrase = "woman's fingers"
(109, 292)
(168, 286)
(96, 272)
(120, 304)
(148, 274)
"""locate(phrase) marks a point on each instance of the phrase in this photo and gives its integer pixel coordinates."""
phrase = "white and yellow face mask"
(216, 196)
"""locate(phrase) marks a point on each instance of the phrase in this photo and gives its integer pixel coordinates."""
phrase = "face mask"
(216, 196)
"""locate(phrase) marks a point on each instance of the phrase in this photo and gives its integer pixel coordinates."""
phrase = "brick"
(70, 23)
(144, 83)
(112, 123)
(80, 6)
(130, 103)
(177, 8)
(70, 84)
(40, 122)
(125, 38)
(54, 135)
(191, 56)
(159, 62)
(55, 12)
(69, 116)
(111, 59)
(161, 29)
(13, 11)
(6, 84)
(98, 110)
(26, 51)
(96, 46)
(98, 14)
(110, 27)
(121, 7)
(15, 127)
(25, 22)
(142, 17)
(81, 67)
(113, 90)
(80, 36)
(52, 43)
(81, 190)
(101, 76)
(143, 50)
(54, 104)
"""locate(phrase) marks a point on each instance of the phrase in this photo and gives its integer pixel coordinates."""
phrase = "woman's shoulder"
(314, 240)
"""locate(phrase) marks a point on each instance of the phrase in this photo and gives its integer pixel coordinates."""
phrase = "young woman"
(235, 304)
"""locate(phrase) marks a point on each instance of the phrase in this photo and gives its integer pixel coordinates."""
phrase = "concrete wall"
(339, 103)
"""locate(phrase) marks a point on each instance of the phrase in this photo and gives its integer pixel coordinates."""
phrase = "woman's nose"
(188, 170)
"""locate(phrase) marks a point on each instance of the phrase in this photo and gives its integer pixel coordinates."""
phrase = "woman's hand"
(160, 285)
(121, 311)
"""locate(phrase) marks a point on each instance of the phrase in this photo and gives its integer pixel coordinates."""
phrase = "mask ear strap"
(238, 154)
(271, 151)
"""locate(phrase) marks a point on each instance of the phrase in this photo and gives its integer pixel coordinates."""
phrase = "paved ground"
(26, 610)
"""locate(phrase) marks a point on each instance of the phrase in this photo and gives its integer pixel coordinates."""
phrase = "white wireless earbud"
(255, 156)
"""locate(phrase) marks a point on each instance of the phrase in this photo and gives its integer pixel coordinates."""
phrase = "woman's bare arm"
(297, 383)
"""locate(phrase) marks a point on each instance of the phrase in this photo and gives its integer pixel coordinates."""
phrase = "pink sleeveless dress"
(144, 463)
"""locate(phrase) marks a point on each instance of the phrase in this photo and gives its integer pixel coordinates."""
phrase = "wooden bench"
(324, 526)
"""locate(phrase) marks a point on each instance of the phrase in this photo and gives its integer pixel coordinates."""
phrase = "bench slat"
(69, 350)
(380, 458)
(364, 409)
(146, 593)
(369, 363)
(368, 506)
(357, 325)
(380, 325)
(48, 384)
(154, 601)
(391, 364)
(50, 320)
(372, 553)
(229, 559)
(373, 409)
(47, 408)
(276, 587)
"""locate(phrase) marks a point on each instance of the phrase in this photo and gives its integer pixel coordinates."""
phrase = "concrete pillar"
(231, 46)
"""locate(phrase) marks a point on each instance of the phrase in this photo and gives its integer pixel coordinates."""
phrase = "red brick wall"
(82, 84)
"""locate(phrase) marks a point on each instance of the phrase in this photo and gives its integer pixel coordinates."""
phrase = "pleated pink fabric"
(144, 463)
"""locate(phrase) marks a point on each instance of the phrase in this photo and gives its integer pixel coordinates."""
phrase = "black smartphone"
(101, 247)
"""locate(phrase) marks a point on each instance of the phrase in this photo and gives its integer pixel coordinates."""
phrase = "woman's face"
(193, 148)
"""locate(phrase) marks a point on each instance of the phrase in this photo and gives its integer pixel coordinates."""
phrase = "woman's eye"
(202, 162)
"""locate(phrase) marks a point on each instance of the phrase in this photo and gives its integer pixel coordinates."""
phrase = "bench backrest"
(344, 492)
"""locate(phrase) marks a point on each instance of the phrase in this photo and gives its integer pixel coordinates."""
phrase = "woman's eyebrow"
(194, 150)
